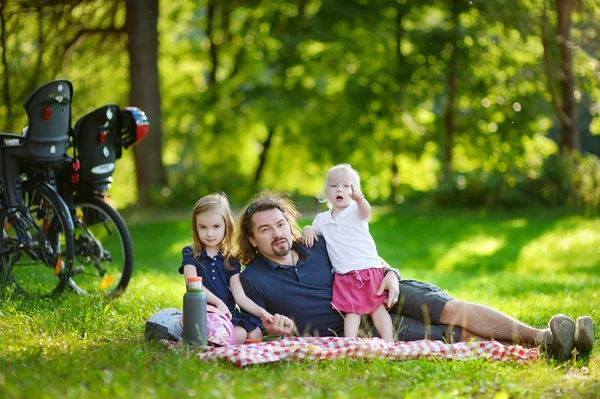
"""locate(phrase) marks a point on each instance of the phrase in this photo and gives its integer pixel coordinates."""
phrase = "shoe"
(544, 339)
(563, 336)
(584, 334)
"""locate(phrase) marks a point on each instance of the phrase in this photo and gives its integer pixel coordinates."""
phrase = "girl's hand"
(356, 195)
(221, 307)
(309, 237)
(264, 315)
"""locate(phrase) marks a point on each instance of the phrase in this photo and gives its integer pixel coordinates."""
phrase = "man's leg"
(489, 323)
(464, 320)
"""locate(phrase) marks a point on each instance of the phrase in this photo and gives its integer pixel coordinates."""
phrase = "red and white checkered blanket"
(362, 348)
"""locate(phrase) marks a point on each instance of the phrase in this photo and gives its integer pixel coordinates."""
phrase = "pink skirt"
(354, 292)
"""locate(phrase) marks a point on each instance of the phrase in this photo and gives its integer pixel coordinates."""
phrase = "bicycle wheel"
(37, 243)
(103, 250)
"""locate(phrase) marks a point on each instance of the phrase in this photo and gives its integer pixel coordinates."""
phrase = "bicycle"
(36, 244)
(103, 261)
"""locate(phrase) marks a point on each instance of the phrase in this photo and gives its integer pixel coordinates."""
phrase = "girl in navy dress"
(211, 257)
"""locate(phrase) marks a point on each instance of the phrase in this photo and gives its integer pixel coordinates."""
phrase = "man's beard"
(283, 250)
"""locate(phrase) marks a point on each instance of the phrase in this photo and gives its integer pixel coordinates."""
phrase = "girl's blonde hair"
(215, 203)
(334, 172)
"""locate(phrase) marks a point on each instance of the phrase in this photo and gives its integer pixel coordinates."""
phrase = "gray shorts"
(421, 301)
(417, 314)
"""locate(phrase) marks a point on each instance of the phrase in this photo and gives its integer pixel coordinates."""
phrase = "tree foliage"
(270, 93)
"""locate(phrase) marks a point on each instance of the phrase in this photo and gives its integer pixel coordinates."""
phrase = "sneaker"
(543, 339)
(584, 334)
(563, 335)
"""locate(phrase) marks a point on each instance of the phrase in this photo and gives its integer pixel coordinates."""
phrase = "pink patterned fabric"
(362, 348)
(354, 292)
(219, 329)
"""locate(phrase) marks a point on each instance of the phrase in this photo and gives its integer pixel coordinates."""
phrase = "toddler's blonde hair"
(334, 172)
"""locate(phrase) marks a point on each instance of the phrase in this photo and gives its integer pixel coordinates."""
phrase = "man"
(295, 283)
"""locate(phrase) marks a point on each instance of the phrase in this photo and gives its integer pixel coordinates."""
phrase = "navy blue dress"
(215, 277)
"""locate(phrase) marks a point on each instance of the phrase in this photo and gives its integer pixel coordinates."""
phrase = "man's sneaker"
(563, 335)
(584, 334)
(543, 339)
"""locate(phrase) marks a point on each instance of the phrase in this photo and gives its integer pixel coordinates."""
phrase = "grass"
(529, 264)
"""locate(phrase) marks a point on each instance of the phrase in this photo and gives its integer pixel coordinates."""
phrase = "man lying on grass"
(294, 283)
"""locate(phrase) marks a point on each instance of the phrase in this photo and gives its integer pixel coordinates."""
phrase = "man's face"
(271, 233)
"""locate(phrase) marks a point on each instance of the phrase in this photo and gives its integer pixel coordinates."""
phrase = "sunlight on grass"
(75, 346)
(517, 223)
(569, 247)
(176, 247)
(476, 247)
(167, 291)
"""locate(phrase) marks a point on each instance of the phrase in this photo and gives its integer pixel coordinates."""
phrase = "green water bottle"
(194, 313)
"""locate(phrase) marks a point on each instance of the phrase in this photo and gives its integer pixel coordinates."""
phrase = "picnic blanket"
(330, 348)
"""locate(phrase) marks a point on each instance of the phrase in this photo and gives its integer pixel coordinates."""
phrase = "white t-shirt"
(349, 242)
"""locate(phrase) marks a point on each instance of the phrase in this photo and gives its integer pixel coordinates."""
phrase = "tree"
(142, 33)
(567, 110)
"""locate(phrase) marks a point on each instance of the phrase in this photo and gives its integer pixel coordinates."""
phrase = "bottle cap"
(194, 279)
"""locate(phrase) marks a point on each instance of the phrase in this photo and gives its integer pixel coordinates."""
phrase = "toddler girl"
(357, 266)
(211, 257)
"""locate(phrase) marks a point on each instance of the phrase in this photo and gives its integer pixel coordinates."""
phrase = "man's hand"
(308, 236)
(391, 285)
(281, 325)
(356, 194)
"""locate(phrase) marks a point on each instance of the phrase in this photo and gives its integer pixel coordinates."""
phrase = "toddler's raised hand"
(356, 194)
(309, 237)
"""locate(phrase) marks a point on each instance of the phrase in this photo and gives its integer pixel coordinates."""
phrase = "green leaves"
(366, 82)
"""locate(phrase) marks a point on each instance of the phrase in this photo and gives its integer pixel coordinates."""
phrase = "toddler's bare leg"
(351, 324)
(383, 323)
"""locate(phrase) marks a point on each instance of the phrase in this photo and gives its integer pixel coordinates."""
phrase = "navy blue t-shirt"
(302, 293)
(215, 276)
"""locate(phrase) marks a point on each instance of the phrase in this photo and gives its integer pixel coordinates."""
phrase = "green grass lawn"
(530, 264)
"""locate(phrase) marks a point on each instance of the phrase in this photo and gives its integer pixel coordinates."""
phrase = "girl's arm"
(244, 302)
(190, 271)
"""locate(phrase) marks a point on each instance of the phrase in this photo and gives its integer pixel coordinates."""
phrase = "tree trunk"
(6, 90)
(401, 11)
(569, 138)
(452, 81)
(142, 31)
(263, 156)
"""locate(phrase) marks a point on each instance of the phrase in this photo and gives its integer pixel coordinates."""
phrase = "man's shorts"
(423, 302)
